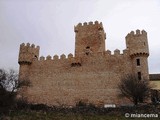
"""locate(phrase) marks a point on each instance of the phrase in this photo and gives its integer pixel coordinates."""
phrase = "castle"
(91, 75)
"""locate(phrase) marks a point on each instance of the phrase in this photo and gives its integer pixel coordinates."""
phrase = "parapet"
(42, 58)
(137, 33)
(88, 24)
(63, 56)
(48, 57)
(28, 45)
(117, 52)
(137, 43)
(56, 57)
(126, 52)
(28, 53)
(108, 52)
(76, 61)
(70, 56)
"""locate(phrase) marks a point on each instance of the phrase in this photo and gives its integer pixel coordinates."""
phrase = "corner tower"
(90, 38)
(137, 44)
(27, 54)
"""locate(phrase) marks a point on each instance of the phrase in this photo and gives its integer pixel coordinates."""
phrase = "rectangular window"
(139, 75)
(138, 62)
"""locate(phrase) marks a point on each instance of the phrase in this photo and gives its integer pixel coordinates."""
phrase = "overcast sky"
(50, 24)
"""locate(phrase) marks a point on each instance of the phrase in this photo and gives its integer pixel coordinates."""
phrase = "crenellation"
(70, 55)
(85, 24)
(28, 53)
(28, 45)
(42, 58)
(87, 33)
(80, 24)
(138, 32)
(125, 52)
(63, 56)
(22, 45)
(48, 57)
(117, 52)
(96, 22)
(132, 33)
(144, 32)
(32, 46)
(55, 57)
(92, 73)
(73, 59)
(137, 43)
(108, 52)
(91, 23)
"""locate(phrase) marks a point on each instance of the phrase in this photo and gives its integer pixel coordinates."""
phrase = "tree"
(134, 89)
(8, 88)
(9, 84)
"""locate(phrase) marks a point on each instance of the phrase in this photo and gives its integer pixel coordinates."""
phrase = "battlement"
(137, 43)
(89, 37)
(29, 46)
(92, 73)
(56, 57)
(117, 52)
(71, 57)
(89, 25)
(27, 53)
(137, 33)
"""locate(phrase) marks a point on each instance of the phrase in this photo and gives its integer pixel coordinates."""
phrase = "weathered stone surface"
(92, 75)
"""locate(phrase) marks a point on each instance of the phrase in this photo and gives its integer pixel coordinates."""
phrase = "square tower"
(90, 38)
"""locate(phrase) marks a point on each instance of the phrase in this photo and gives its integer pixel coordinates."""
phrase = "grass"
(81, 112)
(39, 115)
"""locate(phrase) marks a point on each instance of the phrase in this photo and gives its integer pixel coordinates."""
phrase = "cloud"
(50, 24)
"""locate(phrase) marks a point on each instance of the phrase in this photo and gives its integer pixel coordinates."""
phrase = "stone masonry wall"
(56, 82)
(92, 75)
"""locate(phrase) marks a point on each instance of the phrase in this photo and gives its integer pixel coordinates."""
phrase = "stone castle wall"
(95, 81)
(91, 77)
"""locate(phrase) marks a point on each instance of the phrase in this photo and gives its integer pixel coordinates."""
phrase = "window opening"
(139, 76)
(138, 62)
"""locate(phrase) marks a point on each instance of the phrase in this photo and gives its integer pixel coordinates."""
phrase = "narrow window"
(139, 75)
(138, 62)
(87, 50)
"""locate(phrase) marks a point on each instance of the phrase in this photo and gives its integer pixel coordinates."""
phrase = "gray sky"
(50, 24)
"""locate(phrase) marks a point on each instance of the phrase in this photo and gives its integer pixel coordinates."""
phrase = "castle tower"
(27, 54)
(90, 38)
(137, 44)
